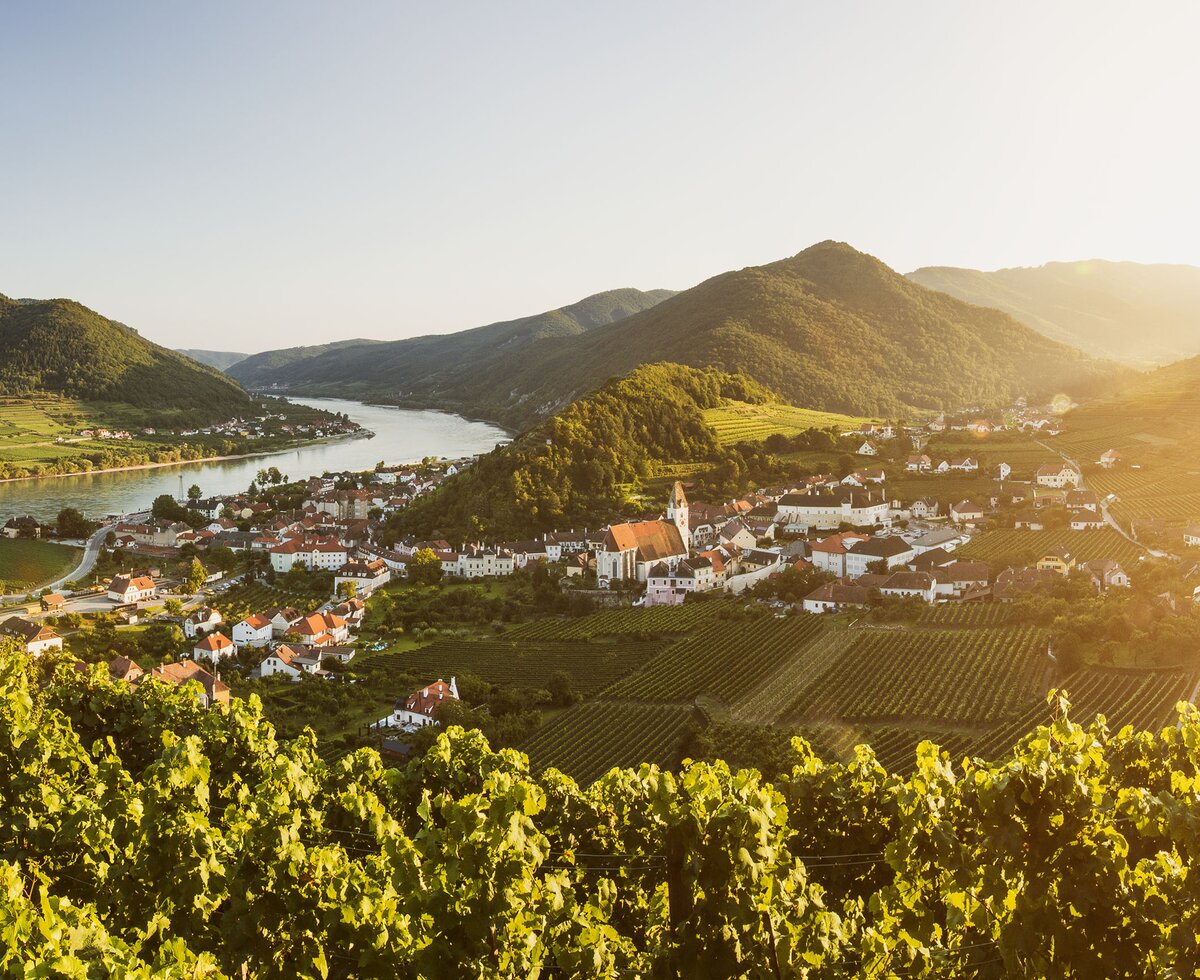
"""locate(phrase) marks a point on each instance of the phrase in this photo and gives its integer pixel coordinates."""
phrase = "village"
(853, 538)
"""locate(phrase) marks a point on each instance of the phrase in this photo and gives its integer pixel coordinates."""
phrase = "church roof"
(652, 540)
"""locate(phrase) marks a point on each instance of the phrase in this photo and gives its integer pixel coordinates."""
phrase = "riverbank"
(361, 434)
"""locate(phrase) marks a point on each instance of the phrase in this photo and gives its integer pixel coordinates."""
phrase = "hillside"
(830, 328)
(570, 469)
(222, 360)
(1140, 314)
(417, 367)
(61, 347)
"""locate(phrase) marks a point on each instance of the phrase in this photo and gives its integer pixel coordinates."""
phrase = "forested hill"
(568, 471)
(418, 367)
(222, 360)
(829, 328)
(60, 346)
(1140, 314)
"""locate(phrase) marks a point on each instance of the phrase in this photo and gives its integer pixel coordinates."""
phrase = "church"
(629, 550)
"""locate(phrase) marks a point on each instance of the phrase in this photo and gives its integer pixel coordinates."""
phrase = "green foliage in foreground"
(142, 836)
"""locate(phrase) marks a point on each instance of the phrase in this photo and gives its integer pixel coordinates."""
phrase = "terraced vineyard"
(741, 422)
(1145, 699)
(589, 739)
(970, 615)
(722, 661)
(655, 621)
(522, 664)
(929, 676)
(1018, 547)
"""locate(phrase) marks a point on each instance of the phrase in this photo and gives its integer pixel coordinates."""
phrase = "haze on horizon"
(248, 176)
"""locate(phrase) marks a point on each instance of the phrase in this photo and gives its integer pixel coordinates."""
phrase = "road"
(91, 552)
(1108, 518)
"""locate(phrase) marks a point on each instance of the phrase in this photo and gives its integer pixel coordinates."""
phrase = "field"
(655, 621)
(931, 677)
(26, 564)
(741, 422)
(257, 597)
(1018, 547)
(522, 664)
(591, 738)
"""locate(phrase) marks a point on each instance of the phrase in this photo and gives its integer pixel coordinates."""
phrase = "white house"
(290, 662)
(35, 638)
(125, 588)
(326, 554)
(966, 511)
(253, 631)
(845, 505)
(868, 448)
(836, 596)
(421, 707)
(283, 618)
(892, 551)
(1058, 476)
(366, 575)
(1110, 459)
(201, 620)
(214, 647)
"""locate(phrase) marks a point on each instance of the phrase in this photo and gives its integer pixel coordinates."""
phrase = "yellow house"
(1062, 563)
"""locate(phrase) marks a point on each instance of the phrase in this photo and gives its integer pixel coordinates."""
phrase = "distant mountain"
(829, 328)
(421, 369)
(222, 360)
(1139, 314)
(60, 346)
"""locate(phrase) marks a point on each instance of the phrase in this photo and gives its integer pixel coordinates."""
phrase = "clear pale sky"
(243, 176)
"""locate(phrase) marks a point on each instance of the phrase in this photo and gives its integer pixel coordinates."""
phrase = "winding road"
(91, 552)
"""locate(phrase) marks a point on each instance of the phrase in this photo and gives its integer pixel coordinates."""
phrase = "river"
(401, 436)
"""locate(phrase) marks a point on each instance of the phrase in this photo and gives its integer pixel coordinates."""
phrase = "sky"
(246, 176)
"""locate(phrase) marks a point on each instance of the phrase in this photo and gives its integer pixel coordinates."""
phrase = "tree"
(193, 492)
(561, 688)
(196, 576)
(167, 508)
(173, 607)
(425, 567)
(72, 524)
(347, 589)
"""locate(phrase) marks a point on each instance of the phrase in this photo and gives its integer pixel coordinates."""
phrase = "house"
(326, 554)
(1086, 521)
(964, 576)
(923, 508)
(53, 602)
(212, 691)
(291, 662)
(965, 512)
(214, 647)
(1077, 500)
(670, 586)
(421, 707)
(283, 618)
(367, 576)
(124, 669)
(35, 638)
(829, 554)
(736, 534)
(200, 621)
(1058, 476)
(1106, 574)
(352, 611)
(918, 464)
(321, 629)
(1110, 459)
(476, 561)
(868, 448)
(1061, 563)
(892, 551)
(966, 465)
(910, 585)
(253, 631)
(945, 538)
(836, 596)
(22, 527)
(125, 588)
(1191, 537)
(845, 505)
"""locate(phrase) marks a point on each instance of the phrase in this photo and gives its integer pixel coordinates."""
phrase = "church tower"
(677, 514)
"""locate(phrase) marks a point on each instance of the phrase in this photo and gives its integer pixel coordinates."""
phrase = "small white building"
(253, 631)
(125, 588)
(214, 647)
(290, 662)
(421, 707)
(200, 621)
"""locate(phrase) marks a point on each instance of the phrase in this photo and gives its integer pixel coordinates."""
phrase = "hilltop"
(830, 328)
(432, 366)
(61, 347)
(1139, 314)
(222, 360)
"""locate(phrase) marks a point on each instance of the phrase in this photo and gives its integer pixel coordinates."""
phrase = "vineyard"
(980, 677)
(258, 597)
(969, 615)
(1145, 699)
(722, 661)
(771, 698)
(655, 621)
(741, 422)
(591, 738)
(525, 664)
(1017, 547)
